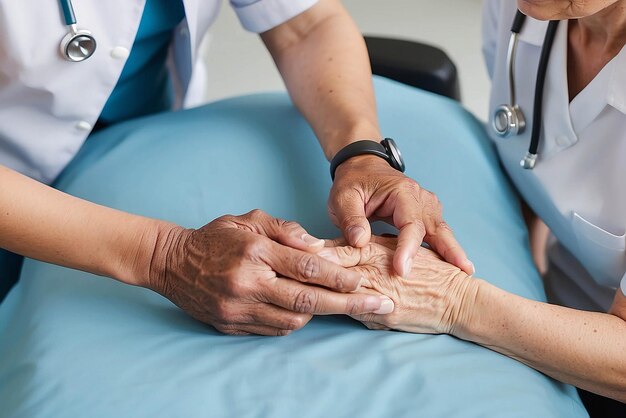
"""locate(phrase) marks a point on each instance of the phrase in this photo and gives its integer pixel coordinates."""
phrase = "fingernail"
(386, 306)
(473, 268)
(311, 241)
(355, 233)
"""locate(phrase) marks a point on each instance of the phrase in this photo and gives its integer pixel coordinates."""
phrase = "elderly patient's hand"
(255, 274)
(429, 300)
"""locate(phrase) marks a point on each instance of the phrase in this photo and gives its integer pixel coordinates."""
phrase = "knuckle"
(354, 306)
(254, 247)
(341, 280)
(294, 323)
(431, 198)
(257, 215)
(227, 329)
(225, 313)
(283, 332)
(443, 226)
(225, 218)
(411, 185)
(291, 225)
(305, 301)
(308, 266)
(420, 227)
(367, 253)
(235, 287)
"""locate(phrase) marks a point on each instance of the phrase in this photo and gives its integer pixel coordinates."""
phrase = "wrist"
(141, 253)
(467, 306)
(339, 139)
(360, 162)
(166, 255)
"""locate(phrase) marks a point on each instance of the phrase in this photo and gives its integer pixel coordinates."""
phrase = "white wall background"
(238, 63)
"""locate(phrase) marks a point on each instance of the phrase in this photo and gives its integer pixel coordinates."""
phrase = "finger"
(337, 242)
(409, 241)
(277, 317)
(310, 268)
(349, 213)
(387, 240)
(288, 233)
(260, 330)
(344, 256)
(442, 241)
(302, 298)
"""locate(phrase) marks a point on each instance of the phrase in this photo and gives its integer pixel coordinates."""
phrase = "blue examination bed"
(77, 345)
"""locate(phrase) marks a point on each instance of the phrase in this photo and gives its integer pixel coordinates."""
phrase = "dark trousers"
(10, 268)
(601, 407)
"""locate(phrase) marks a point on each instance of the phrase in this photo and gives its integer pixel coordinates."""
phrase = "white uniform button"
(562, 140)
(84, 126)
(120, 53)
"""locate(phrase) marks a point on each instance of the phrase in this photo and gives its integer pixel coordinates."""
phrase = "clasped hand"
(434, 298)
(255, 274)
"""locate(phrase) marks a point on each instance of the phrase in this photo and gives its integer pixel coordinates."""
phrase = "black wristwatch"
(385, 149)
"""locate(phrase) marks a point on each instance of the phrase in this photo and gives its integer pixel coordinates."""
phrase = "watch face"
(394, 153)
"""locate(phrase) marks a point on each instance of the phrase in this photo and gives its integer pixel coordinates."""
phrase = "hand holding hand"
(428, 300)
(255, 274)
(368, 188)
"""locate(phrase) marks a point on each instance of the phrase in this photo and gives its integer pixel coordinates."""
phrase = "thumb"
(348, 213)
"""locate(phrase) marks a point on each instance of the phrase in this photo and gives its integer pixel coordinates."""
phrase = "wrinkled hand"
(432, 299)
(367, 187)
(255, 274)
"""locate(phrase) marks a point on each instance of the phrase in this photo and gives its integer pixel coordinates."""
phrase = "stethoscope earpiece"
(77, 45)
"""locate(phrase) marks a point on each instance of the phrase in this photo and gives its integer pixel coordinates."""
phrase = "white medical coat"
(48, 106)
(579, 184)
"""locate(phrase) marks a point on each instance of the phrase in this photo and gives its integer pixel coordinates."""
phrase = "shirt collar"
(534, 32)
(616, 94)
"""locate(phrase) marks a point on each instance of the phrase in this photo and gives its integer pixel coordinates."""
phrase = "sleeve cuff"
(262, 15)
(623, 285)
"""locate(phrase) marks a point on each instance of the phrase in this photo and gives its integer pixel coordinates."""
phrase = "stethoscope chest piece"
(78, 45)
(508, 120)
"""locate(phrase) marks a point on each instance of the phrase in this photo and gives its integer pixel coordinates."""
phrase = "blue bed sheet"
(76, 345)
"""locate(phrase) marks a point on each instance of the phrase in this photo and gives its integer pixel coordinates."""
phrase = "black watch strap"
(354, 149)
(362, 148)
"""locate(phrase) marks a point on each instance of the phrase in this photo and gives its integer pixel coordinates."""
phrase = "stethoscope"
(77, 45)
(508, 119)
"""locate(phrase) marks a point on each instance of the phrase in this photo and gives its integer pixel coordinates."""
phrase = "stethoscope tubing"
(539, 86)
(68, 12)
(518, 22)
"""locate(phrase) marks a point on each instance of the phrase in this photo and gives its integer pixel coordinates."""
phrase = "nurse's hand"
(368, 188)
(255, 274)
(430, 299)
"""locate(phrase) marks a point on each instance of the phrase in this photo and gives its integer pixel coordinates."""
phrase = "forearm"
(43, 223)
(323, 60)
(586, 349)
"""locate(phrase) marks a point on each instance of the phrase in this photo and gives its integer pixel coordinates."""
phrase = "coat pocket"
(602, 253)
